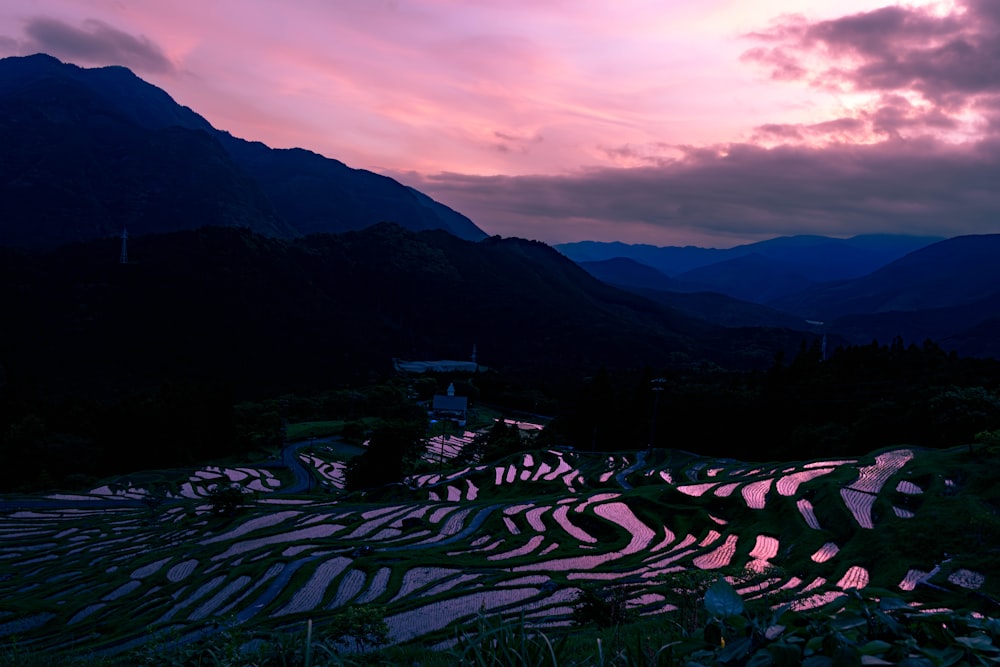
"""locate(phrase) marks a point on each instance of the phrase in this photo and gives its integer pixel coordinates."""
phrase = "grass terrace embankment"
(101, 572)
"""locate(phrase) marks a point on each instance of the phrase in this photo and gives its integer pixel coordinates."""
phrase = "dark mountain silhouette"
(263, 315)
(90, 151)
(751, 277)
(948, 292)
(955, 272)
(982, 339)
(628, 273)
(669, 260)
(725, 310)
(818, 258)
(684, 297)
(970, 329)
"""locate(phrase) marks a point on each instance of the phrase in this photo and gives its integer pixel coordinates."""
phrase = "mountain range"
(90, 152)
(815, 258)
(909, 287)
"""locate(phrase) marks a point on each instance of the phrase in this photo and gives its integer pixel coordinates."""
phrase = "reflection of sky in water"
(860, 504)
(313, 541)
(720, 557)
(825, 552)
(967, 579)
(561, 516)
(806, 509)
(755, 493)
(696, 490)
(871, 478)
(788, 485)
(617, 512)
(855, 577)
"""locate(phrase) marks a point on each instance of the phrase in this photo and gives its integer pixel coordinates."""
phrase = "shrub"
(605, 607)
(227, 500)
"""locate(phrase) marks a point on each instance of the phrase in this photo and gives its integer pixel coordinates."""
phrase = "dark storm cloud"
(947, 59)
(95, 43)
(908, 187)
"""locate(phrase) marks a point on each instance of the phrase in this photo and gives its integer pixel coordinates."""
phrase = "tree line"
(856, 399)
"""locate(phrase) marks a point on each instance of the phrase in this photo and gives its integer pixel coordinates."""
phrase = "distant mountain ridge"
(817, 258)
(752, 277)
(90, 151)
(946, 290)
(692, 299)
(953, 272)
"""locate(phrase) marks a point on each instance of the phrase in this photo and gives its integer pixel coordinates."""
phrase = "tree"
(499, 441)
(959, 413)
(392, 449)
(227, 500)
(364, 625)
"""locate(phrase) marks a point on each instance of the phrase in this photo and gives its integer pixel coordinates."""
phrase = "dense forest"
(857, 399)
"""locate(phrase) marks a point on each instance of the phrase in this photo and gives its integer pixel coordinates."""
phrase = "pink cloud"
(947, 59)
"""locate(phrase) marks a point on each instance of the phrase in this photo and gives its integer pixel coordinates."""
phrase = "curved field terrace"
(520, 535)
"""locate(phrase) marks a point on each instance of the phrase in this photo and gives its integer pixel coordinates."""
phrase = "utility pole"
(123, 258)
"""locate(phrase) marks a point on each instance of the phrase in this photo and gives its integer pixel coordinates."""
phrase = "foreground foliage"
(873, 629)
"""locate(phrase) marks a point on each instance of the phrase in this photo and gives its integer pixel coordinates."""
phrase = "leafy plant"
(500, 644)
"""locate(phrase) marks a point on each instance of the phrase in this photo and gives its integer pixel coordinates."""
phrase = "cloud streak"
(95, 42)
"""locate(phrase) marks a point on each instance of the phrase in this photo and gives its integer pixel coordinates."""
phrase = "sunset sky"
(669, 122)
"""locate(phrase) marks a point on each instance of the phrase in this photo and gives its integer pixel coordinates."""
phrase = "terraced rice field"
(520, 535)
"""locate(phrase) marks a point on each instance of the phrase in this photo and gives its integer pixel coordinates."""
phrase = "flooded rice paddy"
(515, 538)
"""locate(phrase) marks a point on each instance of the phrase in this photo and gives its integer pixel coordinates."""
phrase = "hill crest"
(91, 151)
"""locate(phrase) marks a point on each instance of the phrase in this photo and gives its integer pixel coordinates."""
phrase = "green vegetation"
(855, 630)
(315, 429)
(227, 499)
(363, 625)
(860, 398)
